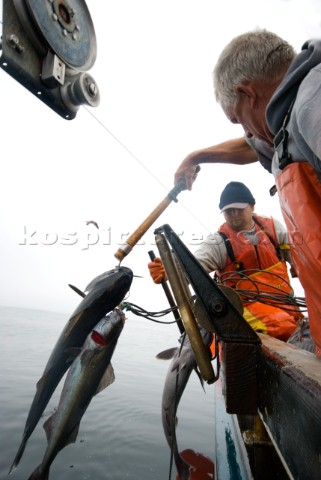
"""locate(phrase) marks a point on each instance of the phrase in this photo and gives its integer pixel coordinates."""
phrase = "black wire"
(141, 312)
(245, 274)
(286, 301)
(277, 298)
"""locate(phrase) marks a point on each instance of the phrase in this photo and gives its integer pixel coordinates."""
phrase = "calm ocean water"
(121, 435)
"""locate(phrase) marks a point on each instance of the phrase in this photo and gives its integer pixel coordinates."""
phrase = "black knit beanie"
(236, 193)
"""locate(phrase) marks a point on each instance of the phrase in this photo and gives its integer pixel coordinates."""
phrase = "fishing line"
(141, 312)
(140, 162)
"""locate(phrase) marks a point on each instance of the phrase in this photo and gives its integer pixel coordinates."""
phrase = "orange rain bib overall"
(300, 193)
(265, 273)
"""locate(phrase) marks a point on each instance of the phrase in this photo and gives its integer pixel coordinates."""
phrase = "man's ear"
(248, 91)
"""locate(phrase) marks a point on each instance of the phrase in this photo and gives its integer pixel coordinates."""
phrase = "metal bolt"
(54, 17)
(14, 42)
(218, 308)
(65, 32)
(92, 89)
(78, 28)
(74, 36)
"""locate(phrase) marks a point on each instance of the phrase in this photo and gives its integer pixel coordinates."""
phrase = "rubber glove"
(156, 270)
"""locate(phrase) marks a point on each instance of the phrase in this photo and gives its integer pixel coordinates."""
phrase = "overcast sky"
(115, 163)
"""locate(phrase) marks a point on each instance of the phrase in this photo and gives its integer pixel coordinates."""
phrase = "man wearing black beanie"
(249, 253)
(236, 193)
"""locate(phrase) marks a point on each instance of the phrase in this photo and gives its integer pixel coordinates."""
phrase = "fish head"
(106, 291)
(120, 276)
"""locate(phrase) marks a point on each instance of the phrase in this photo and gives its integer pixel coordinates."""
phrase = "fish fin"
(19, 453)
(48, 426)
(72, 437)
(40, 385)
(107, 379)
(200, 378)
(38, 474)
(77, 290)
(42, 382)
(167, 354)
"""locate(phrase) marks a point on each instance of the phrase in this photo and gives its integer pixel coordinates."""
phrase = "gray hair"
(252, 56)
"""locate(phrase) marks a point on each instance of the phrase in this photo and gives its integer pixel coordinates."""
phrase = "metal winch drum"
(48, 46)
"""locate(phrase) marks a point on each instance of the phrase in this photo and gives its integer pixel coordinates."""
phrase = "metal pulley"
(48, 46)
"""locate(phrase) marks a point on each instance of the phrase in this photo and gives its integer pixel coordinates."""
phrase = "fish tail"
(39, 474)
(19, 453)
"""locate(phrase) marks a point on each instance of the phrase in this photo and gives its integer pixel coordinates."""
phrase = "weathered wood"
(264, 461)
(239, 376)
(290, 405)
(134, 238)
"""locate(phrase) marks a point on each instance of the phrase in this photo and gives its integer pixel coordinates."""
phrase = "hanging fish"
(104, 293)
(89, 374)
(180, 369)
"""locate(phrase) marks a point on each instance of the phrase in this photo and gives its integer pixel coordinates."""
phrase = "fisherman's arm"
(212, 253)
(236, 151)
